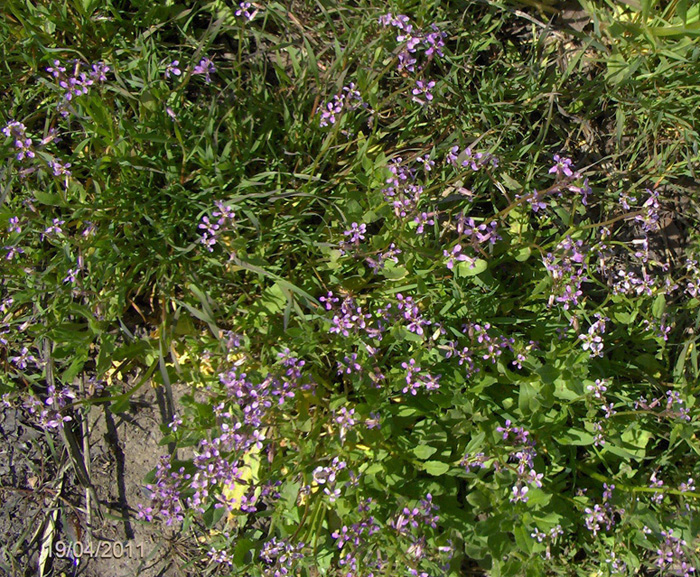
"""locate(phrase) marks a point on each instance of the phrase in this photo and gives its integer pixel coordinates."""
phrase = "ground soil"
(36, 488)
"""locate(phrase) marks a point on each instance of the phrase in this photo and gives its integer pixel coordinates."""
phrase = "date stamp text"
(100, 549)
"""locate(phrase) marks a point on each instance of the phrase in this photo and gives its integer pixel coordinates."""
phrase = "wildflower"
(13, 225)
(427, 162)
(456, 256)
(54, 228)
(71, 275)
(12, 251)
(205, 67)
(599, 388)
(585, 190)
(374, 421)
(519, 493)
(656, 484)
(23, 358)
(60, 169)
(99, 71)
(421, 220)
(423, 89)
(348, 98)
(562, 168)
(478, 461)
(687, 486)
(244, 10)
(173, 69)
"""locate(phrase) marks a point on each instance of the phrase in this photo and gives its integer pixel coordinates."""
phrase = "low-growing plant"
(424, 330)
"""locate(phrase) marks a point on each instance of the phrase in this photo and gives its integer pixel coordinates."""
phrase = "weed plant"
(426, 268)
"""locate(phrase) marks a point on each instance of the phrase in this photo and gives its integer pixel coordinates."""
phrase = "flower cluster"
(456, 255)
(349, 98)
(327, 477)
(244, 10)
(411, 41)
(523, 455)
(379, 261)
(477, 233)
(281, 556)
(416, 380)
(226, 220)
(51, 413)
(410, 312)
(353, 237)
(548, 538)
(671, 555)
(592, 340)
(470, 159)
(476, 461)
(351, 318)
(75, 83)
(18, 133)
(165, 494)
(673, 408)
(568, 271)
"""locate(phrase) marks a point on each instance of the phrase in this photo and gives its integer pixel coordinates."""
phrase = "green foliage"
(510, 337)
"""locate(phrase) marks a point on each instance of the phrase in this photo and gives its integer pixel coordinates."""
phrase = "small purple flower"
(356, 233)
(423, 219)
(54, 228)
(519, 493)
(423, 89)
(374, 421)
(585, 190)
(562, 167)
(13, 225)
(23, 358)
(598, 390)
(173, 69)
(456, 256)
(244, 10)
(71, 275)
(426, 162)
(205, 67)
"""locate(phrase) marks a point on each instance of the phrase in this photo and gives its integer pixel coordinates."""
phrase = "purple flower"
(456, 256)
(423, 89)
(585, 190)
(422, 219)
(54, 228)
(173, 69)
(374, 421)
(519, 493)
(562, 167)
(348, 98)
(13, 225)
(244, 10)
(427, 162)
(356, 233)
(205, 67)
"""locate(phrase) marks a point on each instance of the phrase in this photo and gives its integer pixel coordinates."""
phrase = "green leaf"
(523, 254)
(659, 306)
(465, 269)
(393, 272)
(424, 451)
(575, 437)
(436, 468)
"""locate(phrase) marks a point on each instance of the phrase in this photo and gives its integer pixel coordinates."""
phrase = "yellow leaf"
(233, 492)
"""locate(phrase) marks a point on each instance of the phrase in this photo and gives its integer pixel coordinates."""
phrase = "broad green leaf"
(465, 269)
(575, 437)
(424, 451)
(436, 468)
